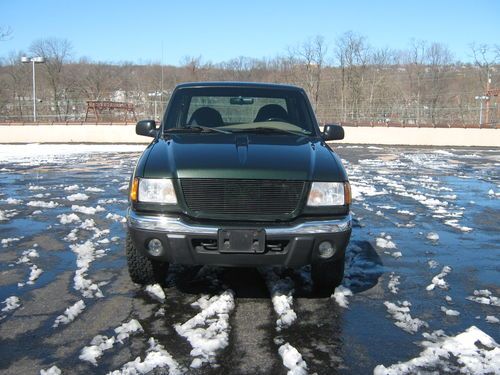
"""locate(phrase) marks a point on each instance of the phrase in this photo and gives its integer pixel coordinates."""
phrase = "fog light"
(155, 247)
(325, 249)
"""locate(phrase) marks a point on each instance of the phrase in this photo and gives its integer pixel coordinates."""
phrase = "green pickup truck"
(238, 174)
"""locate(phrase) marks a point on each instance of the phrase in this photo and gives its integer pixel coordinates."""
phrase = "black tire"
(143, 270)
(326, 276)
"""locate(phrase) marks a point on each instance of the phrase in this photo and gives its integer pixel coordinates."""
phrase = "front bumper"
(292, 245)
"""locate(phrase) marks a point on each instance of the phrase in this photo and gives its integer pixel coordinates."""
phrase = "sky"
(167, 31)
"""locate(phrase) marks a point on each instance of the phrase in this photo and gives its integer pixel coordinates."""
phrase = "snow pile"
(157, 357)
(450, 312)
(281, 291)
(292, 360)
(70, 314)
(156, 292)
(12, 201)
(77, 197)
(42, 204)
(7, 214)
(438, 280)
(68, 218)
(54, 370)
(71, 188)
(94, 190)
(432, 236)
(406, 212)
(470, 352)
(101, 343)
(492, 319)
(116, 217)
(26, 256)
(7, 241)
(384, 242)
(393, 283)
(484, 297)
(208, 331)
(35, 273)
(86, 253)
(11, 303)
(359, 191)
(87, 210)
(341, 293)
(454, 224)
(401, 313)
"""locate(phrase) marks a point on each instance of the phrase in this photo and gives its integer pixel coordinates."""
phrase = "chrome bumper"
(174, 225)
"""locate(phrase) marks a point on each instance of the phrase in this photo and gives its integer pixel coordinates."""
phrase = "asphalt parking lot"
(421, 291)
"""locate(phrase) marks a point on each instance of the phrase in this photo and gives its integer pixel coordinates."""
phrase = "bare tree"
(56, 52)
(310, 56)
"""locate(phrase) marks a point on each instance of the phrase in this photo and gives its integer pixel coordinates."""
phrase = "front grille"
(242, 198)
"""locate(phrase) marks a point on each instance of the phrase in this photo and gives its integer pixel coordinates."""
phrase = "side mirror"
(146, 128)
(333, 132)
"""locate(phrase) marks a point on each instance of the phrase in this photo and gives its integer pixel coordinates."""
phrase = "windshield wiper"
(190, 128)
(266, 129)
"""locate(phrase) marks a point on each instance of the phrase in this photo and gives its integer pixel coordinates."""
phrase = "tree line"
(349, 81)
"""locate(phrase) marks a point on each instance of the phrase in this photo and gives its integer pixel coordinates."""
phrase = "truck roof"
(261, 85)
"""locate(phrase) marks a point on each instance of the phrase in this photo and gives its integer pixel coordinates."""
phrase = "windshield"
(235, 109)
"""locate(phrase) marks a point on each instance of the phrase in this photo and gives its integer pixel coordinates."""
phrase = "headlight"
(328, 194)
(156, 190)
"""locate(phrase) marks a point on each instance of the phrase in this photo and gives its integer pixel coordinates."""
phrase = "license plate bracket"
(242, 240)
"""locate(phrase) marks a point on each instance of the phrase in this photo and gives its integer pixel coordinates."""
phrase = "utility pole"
(481, 99)
(488, 82)
(33, 61)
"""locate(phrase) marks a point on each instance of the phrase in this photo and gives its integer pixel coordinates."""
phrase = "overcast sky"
(135, 31)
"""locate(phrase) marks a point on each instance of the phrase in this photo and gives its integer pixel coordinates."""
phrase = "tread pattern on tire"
(142, 270)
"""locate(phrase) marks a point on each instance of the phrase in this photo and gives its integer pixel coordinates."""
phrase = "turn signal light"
(134, 189)
(347, 193)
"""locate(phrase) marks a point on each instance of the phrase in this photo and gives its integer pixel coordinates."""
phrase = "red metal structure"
(98, 106)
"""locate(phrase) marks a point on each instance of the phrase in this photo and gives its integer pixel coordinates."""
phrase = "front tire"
(326, 276)
(143, 270)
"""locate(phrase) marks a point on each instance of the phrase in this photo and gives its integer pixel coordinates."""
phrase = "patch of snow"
(438, 280)
(281, 291)
(341, 293)
(400, 312)
(12, 201)
(484, 297)
(70, 314)
(42, 204)
(156, 357)
(54, 370)
(492, 319)
(11, 303)
(101, 343)
(450, 312)
(432, 236)
(116, 217)
(34, 274)
(94, 190)
(208, 331)
(292, 360)
(68, 218)
(26, 256)
(86, 253)
(384, 242)
(77, 197)
(470, 352)
(71, 188)
(432, 263)
(156, 292)
(454, 224)
(7, 241)
(87, 210)
(393, 283)
(397, 254)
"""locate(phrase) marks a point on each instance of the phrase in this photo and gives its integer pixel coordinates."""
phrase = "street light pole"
(481, 99)
(33, 60)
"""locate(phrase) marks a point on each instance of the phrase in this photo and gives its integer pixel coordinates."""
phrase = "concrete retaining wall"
(355, 135)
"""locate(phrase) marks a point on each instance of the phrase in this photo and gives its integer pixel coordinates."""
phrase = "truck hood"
(243, 156)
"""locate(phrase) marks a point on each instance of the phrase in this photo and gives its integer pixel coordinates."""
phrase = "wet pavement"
(424, 256)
